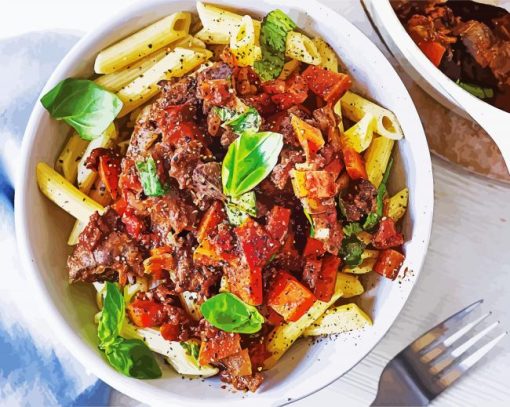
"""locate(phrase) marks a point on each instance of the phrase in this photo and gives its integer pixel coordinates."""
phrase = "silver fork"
(433, 362)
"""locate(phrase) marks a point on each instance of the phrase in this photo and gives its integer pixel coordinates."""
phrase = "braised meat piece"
(105, 252)
(177, 92)
(207, 183)
(359, 200)
(281, 172)
(250, 382)
(184, 160)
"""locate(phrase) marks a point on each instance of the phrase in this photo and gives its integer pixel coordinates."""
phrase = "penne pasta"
(360, 135)
(329, 59)
(377, 157)
(75, 232)
(354, 107)
(337, 320)
(86, 177)
(143, 43)
(67, 161)
(220, 25)
(289, 68)
(115, 81)
(366, 266)
(302, 48)
(397, 205)
(176, 64)
(242, 43)
(64, 194)
(349, 285)
(282, 337)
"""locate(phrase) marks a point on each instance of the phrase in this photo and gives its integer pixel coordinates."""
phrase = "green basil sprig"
(128, 356)
(352, 228)
(351, 250)
(149, 177)
(312, 223)
(239, 208)
(249, 159)
(82, 104)
(192, 349)
(374, 217)
(227, 312)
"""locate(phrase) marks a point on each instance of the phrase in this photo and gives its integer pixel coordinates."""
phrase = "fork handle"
(396, 388)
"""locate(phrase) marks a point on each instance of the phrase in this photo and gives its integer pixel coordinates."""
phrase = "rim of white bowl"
(85, 353)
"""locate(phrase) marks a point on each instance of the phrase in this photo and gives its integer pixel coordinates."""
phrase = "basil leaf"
(477, 91)
(224, 113)
(133, 358)
(351, 251)
(247, 122)
(239, 208)
(149, 178)
(192, 349)
(249, 159)
(352, 229)
(227, 312)
(273, 35)
(374, 217)
(312, 224)
(112, 316)
(82, 104)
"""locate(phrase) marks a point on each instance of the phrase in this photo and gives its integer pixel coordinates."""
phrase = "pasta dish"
(229, 190)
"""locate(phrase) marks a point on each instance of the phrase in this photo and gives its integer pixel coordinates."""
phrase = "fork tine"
(440, 347)
(457, 371)
(436, 332)
(450, 356)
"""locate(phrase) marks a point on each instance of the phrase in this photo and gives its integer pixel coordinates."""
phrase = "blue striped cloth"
(35, 369)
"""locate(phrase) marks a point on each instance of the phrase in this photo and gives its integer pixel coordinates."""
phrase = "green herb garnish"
(374, 217)
(83, 105)
(246, 122)
(239, 208)
(351, 251)
(273, 36)
(477, 91)
(128, 356)
(227, 312)
(149, 178)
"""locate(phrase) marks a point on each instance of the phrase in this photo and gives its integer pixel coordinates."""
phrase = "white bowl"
(42, 228)
(418, 66)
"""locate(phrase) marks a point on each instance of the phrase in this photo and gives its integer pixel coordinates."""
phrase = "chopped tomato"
(295, 92)
(434, 51)
(277, 223)
(289, 298)
(157, 264)
(239, 364)
(326, 279)
(334, 138)
(354, 164)
(211, 219)
(146, 313)
(170, 332)
(320, 184)
(327, 84)
(109, 172)
(209, 254)
(309, 137)
(245, 282)
(120, 206)
(161, 250)
(262, 102)
(388, 263)
(314, 248)
(224, 344)
(134, 225)
(257, 245)
(273, 317)
(335, 166)
(274, 87)
(387, 235)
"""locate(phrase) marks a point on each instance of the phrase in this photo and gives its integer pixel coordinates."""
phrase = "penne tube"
(78, 227)
(64, 194)
(143, 43)
(176, 64)
(354, 107)
(397, 205)
(289, 68)
(329, 59)
(302, 48)
(86, 177)
(220, 25)
(377, 157)
(282, 337)
(360, 135)
(337, 320)
(67, 161)
(242, 43)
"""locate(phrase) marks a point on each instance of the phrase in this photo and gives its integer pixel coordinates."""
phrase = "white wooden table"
(468, 259)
